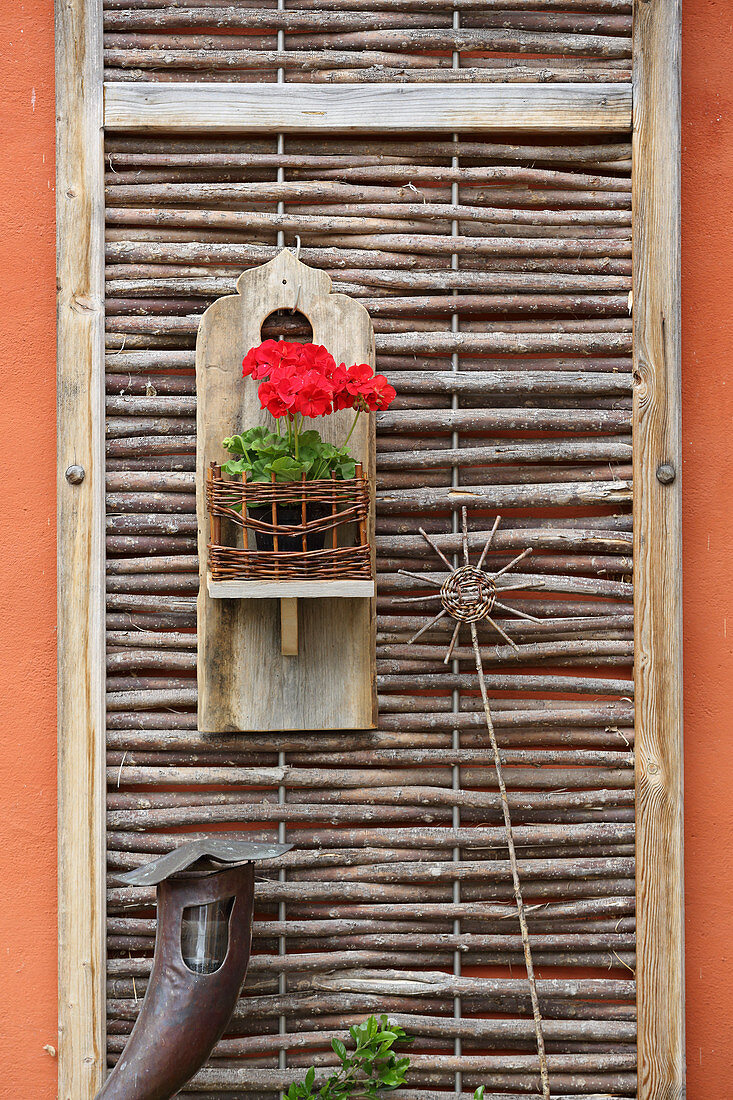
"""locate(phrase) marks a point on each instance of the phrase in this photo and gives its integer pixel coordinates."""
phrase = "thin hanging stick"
(489, 541)
(521, 614)
(515, 871)
(503, 633)
(436, 548)
(416, 599)
(452, 645)
(471, 611)
(513, 562)
(427, 626)
(464, 529)
(422, 577)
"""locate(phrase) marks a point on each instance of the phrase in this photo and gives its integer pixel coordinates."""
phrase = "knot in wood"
(468, 594)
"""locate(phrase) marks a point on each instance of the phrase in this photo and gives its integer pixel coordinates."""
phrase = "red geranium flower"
(342, 399)
(357, 376)
(377, 394)
(315, 395)
(318, 358)
(279, 393)
(260, 361)
(303, 379)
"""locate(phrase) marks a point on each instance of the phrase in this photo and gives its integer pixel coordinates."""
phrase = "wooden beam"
(657, 550)
(268, 108)
(81, 558)
(290, 589)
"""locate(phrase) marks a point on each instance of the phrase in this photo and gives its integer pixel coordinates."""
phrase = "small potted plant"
(305, 486)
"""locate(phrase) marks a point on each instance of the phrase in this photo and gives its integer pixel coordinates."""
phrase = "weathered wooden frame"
(81, 550)
(658, 551)
(657, 573)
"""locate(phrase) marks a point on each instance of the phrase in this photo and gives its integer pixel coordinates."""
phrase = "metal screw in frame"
(75, 474)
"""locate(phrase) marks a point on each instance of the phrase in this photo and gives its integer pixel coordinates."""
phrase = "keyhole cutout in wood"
(287, 324)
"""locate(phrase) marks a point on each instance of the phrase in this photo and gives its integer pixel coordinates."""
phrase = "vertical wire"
(281, 831)
(456, 737)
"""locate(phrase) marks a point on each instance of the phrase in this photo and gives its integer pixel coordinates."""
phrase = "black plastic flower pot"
(292, 515)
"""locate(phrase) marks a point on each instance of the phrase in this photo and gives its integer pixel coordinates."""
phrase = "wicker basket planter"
(284, 532)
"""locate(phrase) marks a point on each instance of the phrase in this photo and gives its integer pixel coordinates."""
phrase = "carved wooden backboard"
(244, 681)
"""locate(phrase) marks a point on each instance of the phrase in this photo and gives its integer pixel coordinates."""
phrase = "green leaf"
(257, 450)
(310, 1078)
(479, 1093)
(259, 471)
(340, 1050)
(257, 434)
(390, 1079)
(270, 445)
(311, 438)
(234, 466)
(286, 468)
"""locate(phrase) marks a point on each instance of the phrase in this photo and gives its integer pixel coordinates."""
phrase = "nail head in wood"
(666, 473)
(75, 475)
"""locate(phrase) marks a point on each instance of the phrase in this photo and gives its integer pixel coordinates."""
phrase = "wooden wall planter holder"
(285, 636)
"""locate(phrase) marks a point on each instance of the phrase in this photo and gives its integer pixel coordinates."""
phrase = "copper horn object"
(205, 895)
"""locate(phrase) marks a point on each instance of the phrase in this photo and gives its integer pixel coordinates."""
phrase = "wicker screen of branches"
(344, 41)
(498, 279)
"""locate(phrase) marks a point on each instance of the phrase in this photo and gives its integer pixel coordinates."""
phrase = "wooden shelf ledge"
(272, 108)
(289, 589)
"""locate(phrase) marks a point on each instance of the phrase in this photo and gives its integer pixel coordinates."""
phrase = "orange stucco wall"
(27, 553)
(707, 412)
(28, 562)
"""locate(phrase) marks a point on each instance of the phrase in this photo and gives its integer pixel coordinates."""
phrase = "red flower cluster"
(303, 379)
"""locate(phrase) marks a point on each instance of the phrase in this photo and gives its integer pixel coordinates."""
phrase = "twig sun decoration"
(469, 594)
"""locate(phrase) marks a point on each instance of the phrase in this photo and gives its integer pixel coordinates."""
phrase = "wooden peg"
(289, 626)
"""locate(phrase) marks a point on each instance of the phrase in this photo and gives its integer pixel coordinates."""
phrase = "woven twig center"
(468, 594)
